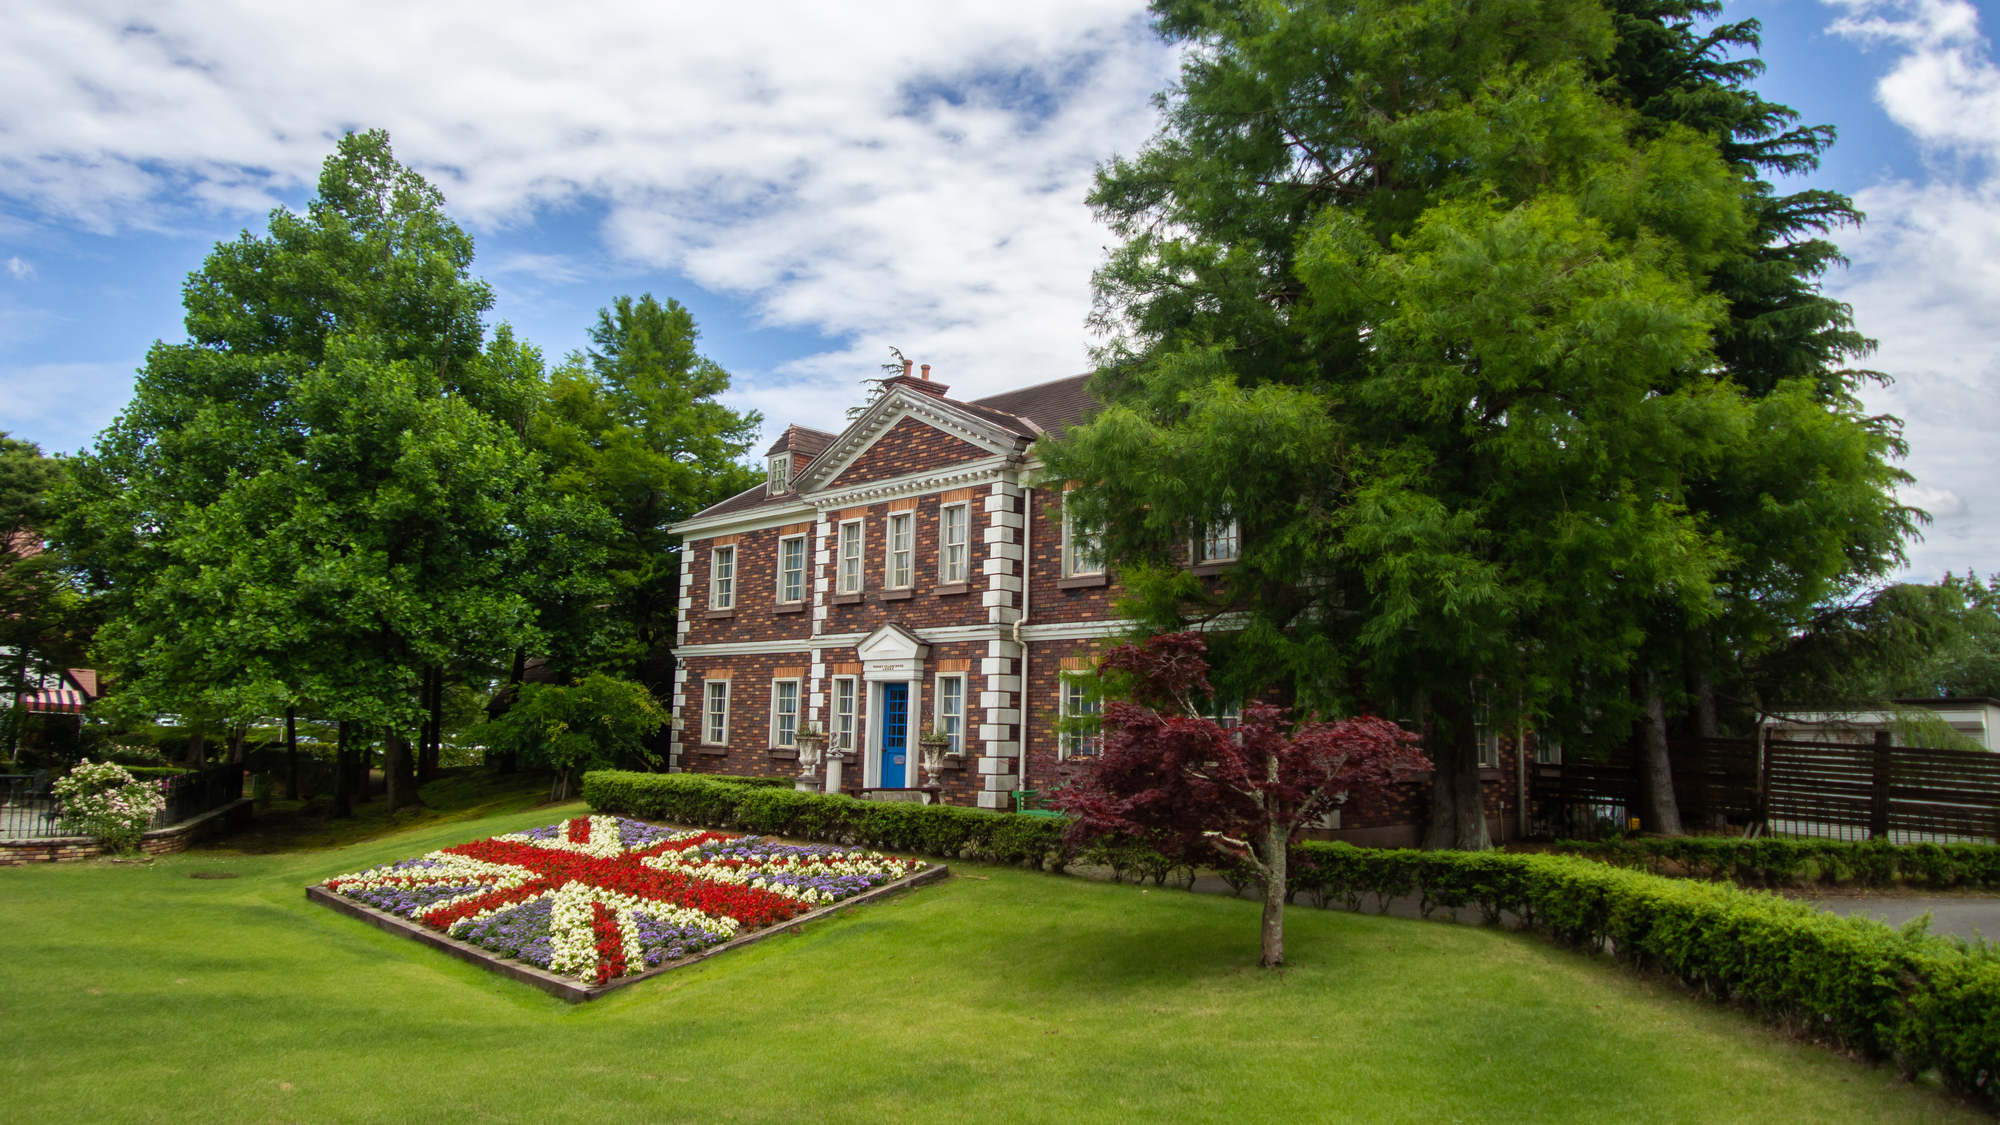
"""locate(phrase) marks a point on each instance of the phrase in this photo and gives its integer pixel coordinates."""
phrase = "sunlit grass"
(140, 994)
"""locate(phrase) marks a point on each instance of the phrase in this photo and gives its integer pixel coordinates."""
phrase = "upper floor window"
(1219, 541)
(1080, 736)
(954, 520)
(792, 569)
(781, 473)
(722, 578)
(1083, 547)
(902, 548)
(850, 557)
(1548, 751)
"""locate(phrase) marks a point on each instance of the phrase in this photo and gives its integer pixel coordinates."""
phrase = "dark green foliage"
(942, 830)
(1777, 862)
(1924, 1002)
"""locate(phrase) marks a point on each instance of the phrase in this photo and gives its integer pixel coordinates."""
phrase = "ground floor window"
(843, 714)
(951, 710)
(715, 713)
(1080, 737)
(785, 713)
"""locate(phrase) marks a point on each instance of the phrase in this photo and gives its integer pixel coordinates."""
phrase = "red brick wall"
(910, 446)
(928, 604)
(749, 754)
(756, 616)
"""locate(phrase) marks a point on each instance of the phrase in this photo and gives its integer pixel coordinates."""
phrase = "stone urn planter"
(812, 744)
(934, 744)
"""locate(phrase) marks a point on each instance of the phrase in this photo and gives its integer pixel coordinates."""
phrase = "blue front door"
(895, 735)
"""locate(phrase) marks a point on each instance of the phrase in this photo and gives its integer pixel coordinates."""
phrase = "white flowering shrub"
(100, 799)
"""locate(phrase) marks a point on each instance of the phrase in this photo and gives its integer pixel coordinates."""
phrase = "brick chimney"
(921, 384)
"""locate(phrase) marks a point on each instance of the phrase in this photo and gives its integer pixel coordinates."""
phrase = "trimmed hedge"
(1925, 1002)
(757, 782)
(1776, 862)
(939, 830)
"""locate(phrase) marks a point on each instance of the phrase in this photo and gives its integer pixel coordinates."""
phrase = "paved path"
(1965, 916)
(1960, 916)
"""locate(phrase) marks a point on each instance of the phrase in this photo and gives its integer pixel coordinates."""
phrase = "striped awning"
(55, 699)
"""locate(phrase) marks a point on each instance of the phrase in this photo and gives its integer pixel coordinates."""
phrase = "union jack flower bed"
(601, 897)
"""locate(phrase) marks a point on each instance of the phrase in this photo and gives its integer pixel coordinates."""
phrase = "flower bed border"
(568, 989)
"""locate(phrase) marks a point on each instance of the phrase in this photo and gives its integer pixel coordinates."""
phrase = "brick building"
(908, 573)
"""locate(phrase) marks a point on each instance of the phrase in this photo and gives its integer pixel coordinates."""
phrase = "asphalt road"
(1965, 917)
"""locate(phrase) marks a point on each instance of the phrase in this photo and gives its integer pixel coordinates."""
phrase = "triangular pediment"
(988, 437)
(892, 642)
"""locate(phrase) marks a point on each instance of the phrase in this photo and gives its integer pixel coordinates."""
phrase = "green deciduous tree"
(1423, 301)
(590, 724)
(634, 426)
(325, 492)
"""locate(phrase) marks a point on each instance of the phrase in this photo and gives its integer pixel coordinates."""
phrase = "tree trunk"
(343, 775)
(238, 734)
(1276, 839)
(1458, 805)
(427, 752)
(398, 772)
(510, 761)
(292, 753)
(1658, 811)
(1707, 724)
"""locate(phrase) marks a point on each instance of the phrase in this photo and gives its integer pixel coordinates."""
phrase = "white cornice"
(796, 510)
(933, 480)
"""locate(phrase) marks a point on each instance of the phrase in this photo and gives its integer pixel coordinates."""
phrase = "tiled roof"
(1054, 406)
(756, 496)
(804, 442)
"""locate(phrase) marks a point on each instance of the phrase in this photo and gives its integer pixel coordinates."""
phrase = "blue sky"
(819, 186)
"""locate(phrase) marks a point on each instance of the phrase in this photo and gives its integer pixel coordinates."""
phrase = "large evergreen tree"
(1440, 313)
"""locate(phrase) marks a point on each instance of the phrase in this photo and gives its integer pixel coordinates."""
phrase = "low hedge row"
(1926, 1003)
(1776, 862)
(757, 782)
(939, 830)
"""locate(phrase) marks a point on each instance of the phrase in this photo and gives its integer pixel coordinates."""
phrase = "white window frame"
(900, 575)
(1486, 736)
(1217, 537)
(782, 738)
(1070, 699)
(952, 571)
(943, 716)
(851, 552)
(1076, 562)
(714, 720)
(778, 478)
(801, 572)
(846, 726)
(1548, 751)
(722, 586)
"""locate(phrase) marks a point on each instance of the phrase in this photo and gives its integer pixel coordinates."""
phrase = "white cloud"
(20, 270)
(891, 173)
(62, 405)
(1926, 273)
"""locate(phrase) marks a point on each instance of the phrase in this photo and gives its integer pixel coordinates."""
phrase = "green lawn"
(139, 994)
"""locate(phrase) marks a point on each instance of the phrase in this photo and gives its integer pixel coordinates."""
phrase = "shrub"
(102, 800)
(1924, 1002)
(1778, 862)
(940, 830)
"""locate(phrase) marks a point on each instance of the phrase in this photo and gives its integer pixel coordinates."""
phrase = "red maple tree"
(1202, 792)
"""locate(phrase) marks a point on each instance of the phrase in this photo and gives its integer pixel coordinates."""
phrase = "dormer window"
(781, 473)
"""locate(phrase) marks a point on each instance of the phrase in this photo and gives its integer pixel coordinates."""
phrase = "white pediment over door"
(892, 653)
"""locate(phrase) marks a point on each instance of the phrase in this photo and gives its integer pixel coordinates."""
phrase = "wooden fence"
(1842, 791)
